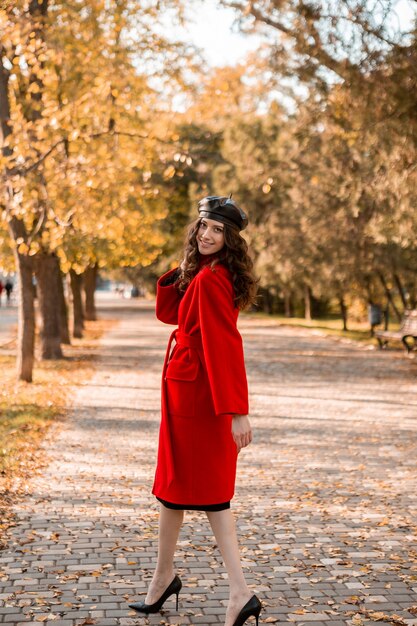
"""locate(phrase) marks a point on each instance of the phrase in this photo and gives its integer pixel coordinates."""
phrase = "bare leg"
(224, 529)
(170, 521)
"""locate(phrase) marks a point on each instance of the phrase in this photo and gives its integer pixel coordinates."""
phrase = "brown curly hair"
(234, 255)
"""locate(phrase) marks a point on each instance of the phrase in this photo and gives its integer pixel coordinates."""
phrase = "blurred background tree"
(80, 85)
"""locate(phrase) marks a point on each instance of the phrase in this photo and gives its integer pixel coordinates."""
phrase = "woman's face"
(210, 236)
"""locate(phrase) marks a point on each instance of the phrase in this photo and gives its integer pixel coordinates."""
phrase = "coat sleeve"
(222, 343)
(168, 298)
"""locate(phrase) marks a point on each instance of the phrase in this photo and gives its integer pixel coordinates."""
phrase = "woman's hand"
(241, 431)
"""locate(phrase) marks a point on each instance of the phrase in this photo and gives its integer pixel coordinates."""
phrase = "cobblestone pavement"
(325, 498)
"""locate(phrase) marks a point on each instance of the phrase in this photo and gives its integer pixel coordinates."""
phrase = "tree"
(78, 124)
(327, 42)
(30, 35)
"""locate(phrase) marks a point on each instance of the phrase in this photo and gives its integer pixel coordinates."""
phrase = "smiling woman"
(204, 422)
(210, 236)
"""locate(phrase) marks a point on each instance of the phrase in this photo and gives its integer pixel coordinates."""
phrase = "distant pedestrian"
(204, 421)
(9, 289)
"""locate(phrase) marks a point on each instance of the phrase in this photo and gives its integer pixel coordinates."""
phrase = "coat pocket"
(181, 383)
(182, 370)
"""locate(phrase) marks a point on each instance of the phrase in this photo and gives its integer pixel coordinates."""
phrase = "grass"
(27, 411)
(332, 326)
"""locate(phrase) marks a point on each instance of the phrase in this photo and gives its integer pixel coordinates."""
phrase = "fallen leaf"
(352, 600)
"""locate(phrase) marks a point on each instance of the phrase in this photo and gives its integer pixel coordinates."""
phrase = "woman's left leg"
(170, 521)
(224, 529)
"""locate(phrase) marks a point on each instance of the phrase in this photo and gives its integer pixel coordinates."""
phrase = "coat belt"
(188, 341)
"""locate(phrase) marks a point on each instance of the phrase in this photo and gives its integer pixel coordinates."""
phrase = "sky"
(211, 29)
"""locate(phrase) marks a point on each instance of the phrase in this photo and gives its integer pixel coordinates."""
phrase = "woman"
(204, 421)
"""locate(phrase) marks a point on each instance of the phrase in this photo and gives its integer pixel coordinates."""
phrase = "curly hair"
(234, 255)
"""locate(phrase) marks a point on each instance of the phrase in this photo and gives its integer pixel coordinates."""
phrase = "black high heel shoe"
(252, 607)
(173, 587)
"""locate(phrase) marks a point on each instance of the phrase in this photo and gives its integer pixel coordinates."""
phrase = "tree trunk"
(63, 309)
(343, 310)
(77, 304)
(266, 300)
(49, 305)
(307, 302)
(389, 295)
(287, 303)
(401, 289)
(26, 318)
(90, 278)
(386, 317)
(26, 310)
(24, 264)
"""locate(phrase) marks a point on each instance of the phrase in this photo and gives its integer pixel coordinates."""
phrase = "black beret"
(223, 209)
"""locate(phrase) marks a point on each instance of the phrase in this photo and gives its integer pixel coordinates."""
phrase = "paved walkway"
(326, 494)
(8, 322)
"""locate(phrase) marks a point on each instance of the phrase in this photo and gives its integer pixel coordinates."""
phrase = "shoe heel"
(252, 607)
(142, 607)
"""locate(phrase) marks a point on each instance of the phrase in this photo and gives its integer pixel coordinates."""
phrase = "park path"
(8, 322)
(325, 500)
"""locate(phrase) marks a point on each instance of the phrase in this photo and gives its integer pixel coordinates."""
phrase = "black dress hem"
(195, 507)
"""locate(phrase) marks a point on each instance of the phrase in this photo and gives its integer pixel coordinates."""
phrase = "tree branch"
(35, 165)
(343, 68)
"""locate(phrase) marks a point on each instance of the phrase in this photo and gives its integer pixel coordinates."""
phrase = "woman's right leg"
(170, 521)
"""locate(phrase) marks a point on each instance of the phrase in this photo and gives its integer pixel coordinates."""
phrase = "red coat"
(203, 384)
